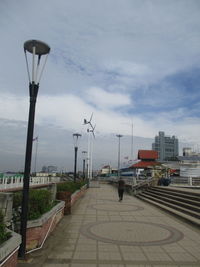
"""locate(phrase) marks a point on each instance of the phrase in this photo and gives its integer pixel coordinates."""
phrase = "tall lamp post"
(84, 152)
(37, 49)
(75, 136)
(119, 136)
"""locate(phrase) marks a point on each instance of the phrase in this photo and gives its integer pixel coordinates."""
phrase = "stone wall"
(6, 203)
(38, 229)
(76, 195)
(12, 261)
(9, 251)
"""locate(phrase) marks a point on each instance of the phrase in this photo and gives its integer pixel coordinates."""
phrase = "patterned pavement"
(103, 232)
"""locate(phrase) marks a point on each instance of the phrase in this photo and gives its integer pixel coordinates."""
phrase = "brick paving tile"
(103, 232)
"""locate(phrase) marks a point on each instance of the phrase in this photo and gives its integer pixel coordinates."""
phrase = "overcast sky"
(125, 61)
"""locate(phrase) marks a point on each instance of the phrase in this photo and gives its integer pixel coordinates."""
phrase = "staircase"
(183, 203)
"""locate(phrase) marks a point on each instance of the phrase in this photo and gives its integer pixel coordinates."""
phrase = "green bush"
(40, 202)
(69, 186)
(4, 234)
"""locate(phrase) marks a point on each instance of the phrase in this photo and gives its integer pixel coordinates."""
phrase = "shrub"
(39, 203)
(4, 234)
(69, 186)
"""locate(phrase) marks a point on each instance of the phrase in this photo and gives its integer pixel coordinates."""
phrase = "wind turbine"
(88, 122)
(91, 149)
(90, 145)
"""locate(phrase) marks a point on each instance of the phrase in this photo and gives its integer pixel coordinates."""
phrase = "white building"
(166, 146)
(190, 166)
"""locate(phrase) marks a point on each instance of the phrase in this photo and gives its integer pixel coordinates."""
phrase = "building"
(166, 146)
(188, 152)
(106, 170)
(189, 166)
(148, 160)
(49, 169)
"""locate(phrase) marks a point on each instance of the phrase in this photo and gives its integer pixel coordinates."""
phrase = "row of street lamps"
(89, 158)
(76, 137)
(35, 69)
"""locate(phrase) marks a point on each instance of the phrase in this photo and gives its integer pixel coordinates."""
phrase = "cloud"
(109, 100)
(138, 61)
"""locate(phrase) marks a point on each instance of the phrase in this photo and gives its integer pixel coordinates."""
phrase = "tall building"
(49, 169)
(166, 146)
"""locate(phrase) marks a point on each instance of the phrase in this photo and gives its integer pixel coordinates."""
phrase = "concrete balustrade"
(12, 182)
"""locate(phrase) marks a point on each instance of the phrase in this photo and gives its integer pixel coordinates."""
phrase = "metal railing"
(186, 181)
(133, 181)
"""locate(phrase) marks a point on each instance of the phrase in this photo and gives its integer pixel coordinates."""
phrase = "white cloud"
(101, 59)
(128, 68)
(13, 107)
(68, 112)
(104, 99)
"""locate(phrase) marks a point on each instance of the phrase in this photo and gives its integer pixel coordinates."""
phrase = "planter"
(9, 251)
(66, 197)
(78, 194)
(70, 198)
(38, 230)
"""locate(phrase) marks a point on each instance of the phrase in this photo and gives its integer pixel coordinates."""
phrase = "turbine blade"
(91, 117)
(91, 125)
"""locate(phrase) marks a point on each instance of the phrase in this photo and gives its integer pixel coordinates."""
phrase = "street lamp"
(84, 152)
(37, 49)
(119, 136)
(75, 137)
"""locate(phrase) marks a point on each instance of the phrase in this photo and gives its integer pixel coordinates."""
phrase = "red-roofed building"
(148, 159)
(150, 155)
(145, 164)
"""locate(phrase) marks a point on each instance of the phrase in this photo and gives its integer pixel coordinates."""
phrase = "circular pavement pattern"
(132, 233)
(116, 207)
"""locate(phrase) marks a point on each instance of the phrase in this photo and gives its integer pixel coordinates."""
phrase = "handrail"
(145, 183)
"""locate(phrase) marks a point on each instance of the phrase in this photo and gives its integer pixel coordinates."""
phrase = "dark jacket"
(121, 184)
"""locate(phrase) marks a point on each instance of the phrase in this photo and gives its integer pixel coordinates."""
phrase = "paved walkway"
(103, 232)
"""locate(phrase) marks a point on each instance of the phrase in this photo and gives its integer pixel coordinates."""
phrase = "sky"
(129, 62)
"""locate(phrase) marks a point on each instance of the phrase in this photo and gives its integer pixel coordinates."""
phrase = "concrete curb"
(9, 246)
(45, 217)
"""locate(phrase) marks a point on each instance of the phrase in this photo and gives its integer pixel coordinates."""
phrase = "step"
(174, 206)
(178, 214)
(193, 194)
(180, 197)
(193, 197)
(184, 202)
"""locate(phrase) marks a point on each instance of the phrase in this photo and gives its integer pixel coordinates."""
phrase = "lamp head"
(75, 137)
(41, 48)
(35, 66)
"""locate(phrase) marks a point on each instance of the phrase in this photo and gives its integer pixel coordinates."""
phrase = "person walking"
(121, 187)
